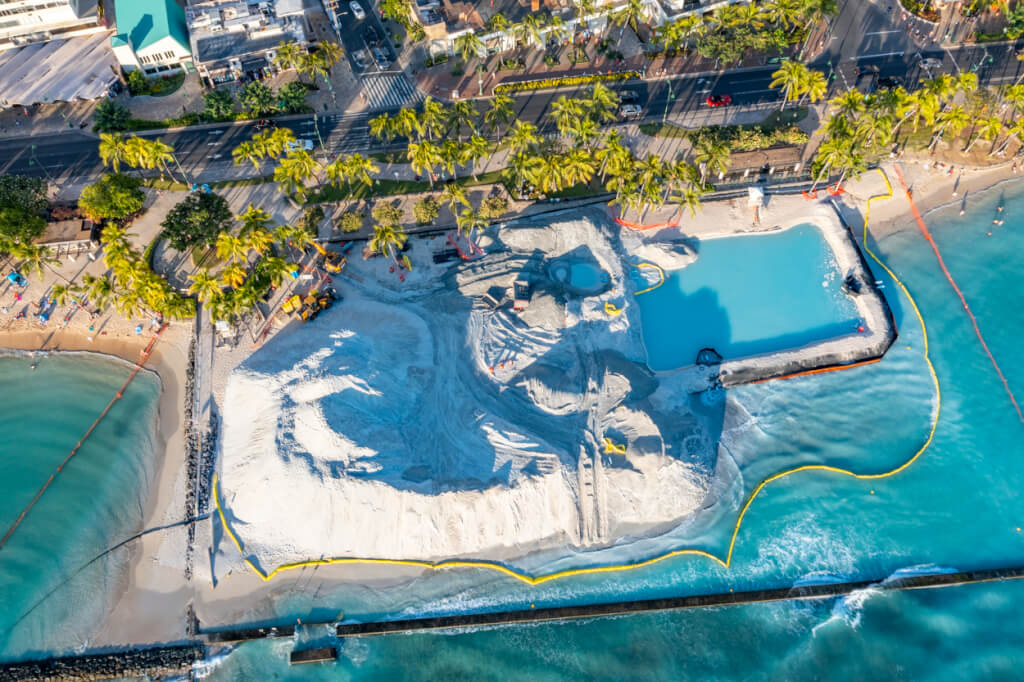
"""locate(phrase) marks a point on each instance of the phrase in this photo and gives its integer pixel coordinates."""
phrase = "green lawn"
(387, 188)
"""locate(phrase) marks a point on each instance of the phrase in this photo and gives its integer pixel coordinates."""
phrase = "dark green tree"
(292, 97)
(426, 210)
(257, 99)
(137, 83)
(311, 219)
(22, 202)
(197, 220)
(349, 221)
(112, 197)
(111, 116)
(219, 105)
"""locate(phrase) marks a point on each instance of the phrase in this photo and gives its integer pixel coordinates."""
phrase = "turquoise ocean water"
(95, 500)
(959, 506)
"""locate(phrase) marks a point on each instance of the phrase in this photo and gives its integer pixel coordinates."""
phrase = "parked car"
(630, 111)
(931, 63)
(361, 58)
(719, 100)
(306, 145)
(890, 82)
(381, 58)
(357, 10)
(628, 96)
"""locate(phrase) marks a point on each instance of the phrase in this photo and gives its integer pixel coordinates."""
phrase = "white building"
(236, 38)
(32, 21)
(151, 35)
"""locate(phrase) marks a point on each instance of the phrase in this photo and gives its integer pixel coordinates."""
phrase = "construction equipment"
(332, 261)
(307, 307)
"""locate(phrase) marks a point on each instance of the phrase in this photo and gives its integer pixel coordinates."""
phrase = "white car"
(357, 10)
(931, 63)
(306, 145)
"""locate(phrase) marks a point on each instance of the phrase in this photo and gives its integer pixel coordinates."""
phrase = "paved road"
(863, 34)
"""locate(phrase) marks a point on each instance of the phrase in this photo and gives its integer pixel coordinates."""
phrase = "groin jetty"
(160, 662)
(558, 613)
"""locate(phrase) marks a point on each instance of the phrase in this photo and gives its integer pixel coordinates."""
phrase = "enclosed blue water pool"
(747, 295)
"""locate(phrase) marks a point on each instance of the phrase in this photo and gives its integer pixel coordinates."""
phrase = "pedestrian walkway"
(389, 91)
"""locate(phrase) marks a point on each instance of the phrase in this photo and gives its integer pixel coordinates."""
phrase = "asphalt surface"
(864, 34)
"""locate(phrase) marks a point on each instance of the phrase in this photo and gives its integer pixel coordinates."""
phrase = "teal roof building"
(155, 30)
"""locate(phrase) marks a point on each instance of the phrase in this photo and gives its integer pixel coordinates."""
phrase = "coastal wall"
(150, 663)
(847, 351)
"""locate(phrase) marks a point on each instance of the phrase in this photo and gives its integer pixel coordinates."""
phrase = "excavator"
(332, 261)
(307, 307)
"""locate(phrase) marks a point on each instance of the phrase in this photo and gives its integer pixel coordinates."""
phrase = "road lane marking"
(881, 54)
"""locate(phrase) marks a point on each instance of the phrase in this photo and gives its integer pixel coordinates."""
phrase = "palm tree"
(451, 156)
(848, 104)
(454, 195)
(792, 77)
(407, 124)
(63, 293)
(497, 23)
(204, 286)
(387, 239)
(603, 103)
(545, 172)
(258, 241)
(531, 29)
(276, 269)
(230, 247)
(382, 127)
(689, 198)
(712, 156)
(289, 56)
(159, 154)
(34, 258)
(521, 137)
(99, 290)
(336, 172)
(462, 113)
(952, 120)
(874, 127)
(557, 28)
(630, 14)
(114, 151)
(250, 151)
(433, 119)
(360, 168)
(469, 45)
(475, 149)
(500, 113)
(815, 10)
(782, 13)
(815, 86)
(233, 275)
(578, 167)
(469, 221)
(988, 129)
(254, 218)
(294, 169)
(424, 157)
(565, 113)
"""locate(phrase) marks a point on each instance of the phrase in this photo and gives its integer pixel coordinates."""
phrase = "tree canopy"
(197, 220)
(22, 201)
(112, 197)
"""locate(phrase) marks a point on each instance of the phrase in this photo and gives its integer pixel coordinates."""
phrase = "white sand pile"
(380, 430)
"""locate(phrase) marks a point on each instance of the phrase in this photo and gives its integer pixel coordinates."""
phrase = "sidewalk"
(438, 80)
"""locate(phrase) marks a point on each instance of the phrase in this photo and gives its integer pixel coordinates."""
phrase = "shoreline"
(137, 613)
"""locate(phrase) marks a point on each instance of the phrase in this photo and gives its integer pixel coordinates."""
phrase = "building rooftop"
(226, 29)
(63, 70)
(142, 23)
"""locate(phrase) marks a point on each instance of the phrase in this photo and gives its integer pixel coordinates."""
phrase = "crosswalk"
(389, 91)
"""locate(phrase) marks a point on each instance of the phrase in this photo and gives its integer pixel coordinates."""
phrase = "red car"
(719, 100)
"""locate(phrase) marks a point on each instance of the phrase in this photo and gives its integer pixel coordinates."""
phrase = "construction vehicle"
(307, 307)
(332, 261)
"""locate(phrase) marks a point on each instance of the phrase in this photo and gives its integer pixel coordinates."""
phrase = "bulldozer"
(331, 261)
